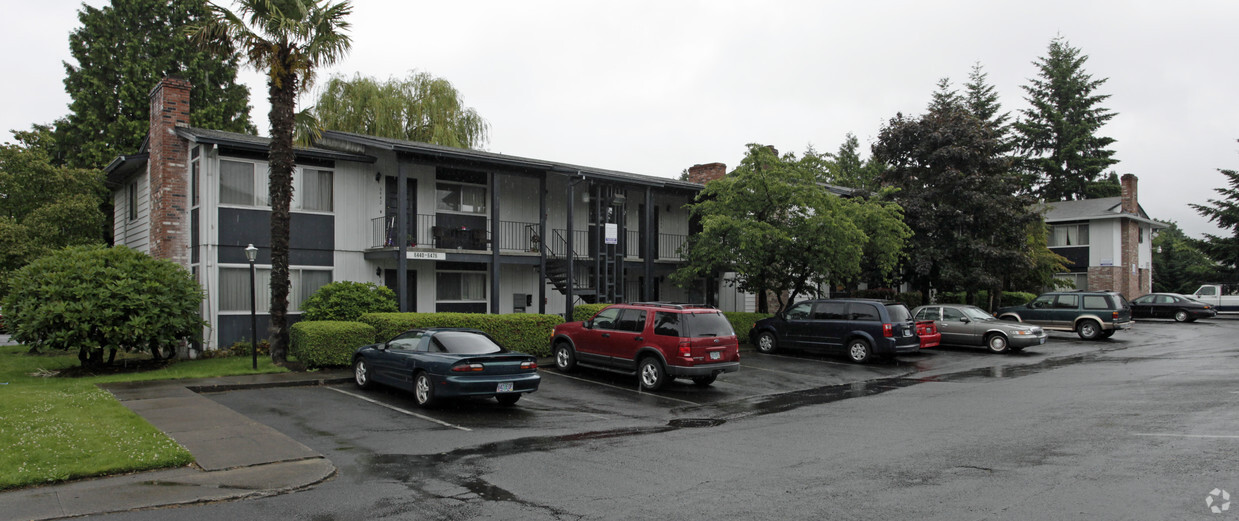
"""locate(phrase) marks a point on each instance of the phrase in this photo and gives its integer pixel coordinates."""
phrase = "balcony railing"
(511, 236)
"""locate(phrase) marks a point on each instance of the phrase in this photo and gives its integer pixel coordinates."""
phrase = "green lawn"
(55, 429)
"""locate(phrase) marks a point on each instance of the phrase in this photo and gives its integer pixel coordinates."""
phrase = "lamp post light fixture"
(251, 254)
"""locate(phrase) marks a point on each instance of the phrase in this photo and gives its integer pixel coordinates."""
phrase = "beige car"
(962, 325)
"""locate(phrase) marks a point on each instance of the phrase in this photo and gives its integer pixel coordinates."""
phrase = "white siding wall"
(1104, 246)
(1145, 249)
(135, 234)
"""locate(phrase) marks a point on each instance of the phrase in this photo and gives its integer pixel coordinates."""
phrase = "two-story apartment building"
(1108, 242)
(448, 229)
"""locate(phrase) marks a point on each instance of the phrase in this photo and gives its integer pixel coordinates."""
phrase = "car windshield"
(464, 343)
(707, 324)
(899, 313)
(976, 313)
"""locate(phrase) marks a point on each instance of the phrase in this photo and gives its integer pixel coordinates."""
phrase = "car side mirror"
(589, 324)
(965, 320)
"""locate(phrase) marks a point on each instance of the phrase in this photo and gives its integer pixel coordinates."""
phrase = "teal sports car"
(437, 363)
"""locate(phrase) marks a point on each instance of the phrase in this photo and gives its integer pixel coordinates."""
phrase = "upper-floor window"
(463, 198)
(1069, 235)
(132, 201)
(239, 184)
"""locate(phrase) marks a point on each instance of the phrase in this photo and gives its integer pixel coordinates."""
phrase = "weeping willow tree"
(418, 108)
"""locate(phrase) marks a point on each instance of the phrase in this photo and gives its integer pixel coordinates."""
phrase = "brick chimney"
(1131, 204)
(702, 174)
(169, 171)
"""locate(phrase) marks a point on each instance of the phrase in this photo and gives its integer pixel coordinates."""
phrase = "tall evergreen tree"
(981, 98)
(288, 40)
(1178, 266)
(418, 108)
(959, 195)
(122, 50)
(1224, 212)
(1058, 136)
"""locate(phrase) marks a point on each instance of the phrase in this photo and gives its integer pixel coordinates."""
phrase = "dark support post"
(569, 254)
(251, 254)
(647, 293)
(596, 247)
(402, 234)
(542, 244)
(495, 230)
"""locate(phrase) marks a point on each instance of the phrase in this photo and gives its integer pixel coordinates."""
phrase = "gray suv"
(1093, 315)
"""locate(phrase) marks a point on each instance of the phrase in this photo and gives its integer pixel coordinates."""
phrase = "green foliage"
(524, 332)
(845, 168)
(583, 312)
(958, 192)
(121, 51)
(1063, 155)
(288, 41)
(92, 299)
(328, 343)
(44, 207)
(418, 108)
(911, 299)
(347, 300)
(878, 293)
(742, 323)
(772, 223)
(1224, 212)
(1178, 266)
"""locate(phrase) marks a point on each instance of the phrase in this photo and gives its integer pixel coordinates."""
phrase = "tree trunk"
(763, 303)
(283, 96)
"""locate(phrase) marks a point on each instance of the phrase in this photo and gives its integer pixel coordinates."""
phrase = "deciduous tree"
(288, 40)
(418, 108)
(1178, 266)
(772, 223)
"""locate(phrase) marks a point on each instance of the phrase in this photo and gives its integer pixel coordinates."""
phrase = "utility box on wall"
(521, 301)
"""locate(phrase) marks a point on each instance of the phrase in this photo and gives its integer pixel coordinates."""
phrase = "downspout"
(402, 233)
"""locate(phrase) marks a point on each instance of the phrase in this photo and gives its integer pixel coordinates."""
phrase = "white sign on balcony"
(425, 255)
(612, 234)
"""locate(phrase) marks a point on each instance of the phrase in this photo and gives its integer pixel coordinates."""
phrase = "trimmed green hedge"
(328, 343)
(524, 332)
(742, 322)
(583, 312)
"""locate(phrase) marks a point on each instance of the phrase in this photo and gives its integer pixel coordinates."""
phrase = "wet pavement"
(788, 436)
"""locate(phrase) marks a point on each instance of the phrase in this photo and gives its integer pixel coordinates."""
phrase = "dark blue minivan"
(859, 328)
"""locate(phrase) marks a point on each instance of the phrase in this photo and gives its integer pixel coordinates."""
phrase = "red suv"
(657, 341)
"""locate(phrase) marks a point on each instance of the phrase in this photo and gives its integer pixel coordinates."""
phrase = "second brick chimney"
(1130, 203)
(702, 174)
(169, 171)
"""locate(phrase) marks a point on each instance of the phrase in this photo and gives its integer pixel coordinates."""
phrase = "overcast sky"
(655, 87)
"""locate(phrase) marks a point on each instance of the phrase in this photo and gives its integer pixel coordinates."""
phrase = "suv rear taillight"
(888, 330)
(1116, 315)
(686, 349)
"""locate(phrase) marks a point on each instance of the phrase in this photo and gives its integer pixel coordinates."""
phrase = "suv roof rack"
(672, 305)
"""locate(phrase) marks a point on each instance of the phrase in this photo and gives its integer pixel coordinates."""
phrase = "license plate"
(715, 355)
(504, 387)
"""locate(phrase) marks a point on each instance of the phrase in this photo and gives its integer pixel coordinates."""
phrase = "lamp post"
(251, 253)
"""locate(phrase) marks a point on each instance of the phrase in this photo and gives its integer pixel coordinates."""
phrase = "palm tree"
(287, 39)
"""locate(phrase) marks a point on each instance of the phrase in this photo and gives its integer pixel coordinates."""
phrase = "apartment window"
(1069, 235)
(316, 190)
(452, 286)
(131, 203)
(234, 288)
(460, 198)
(236, 183)
(1077, 280)
(194, 173)
(239, 185)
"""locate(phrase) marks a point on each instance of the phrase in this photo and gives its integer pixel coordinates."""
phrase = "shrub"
(93, 298)
(912, 299)
(583, 312)
(1009, 298)
(524, 332)
(742, 322)
(328, 343)
(348, 301)
(878, 293)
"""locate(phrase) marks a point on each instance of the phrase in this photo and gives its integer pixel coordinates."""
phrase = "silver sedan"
(962, 325)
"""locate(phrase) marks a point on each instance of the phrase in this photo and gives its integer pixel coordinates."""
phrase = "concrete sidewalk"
(236, 457)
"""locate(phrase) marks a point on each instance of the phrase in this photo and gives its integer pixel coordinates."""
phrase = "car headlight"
(1023, 332)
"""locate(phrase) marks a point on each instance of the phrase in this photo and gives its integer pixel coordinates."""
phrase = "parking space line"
(399, 410)
(620, 388)
(1222, 436)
